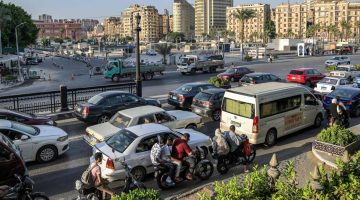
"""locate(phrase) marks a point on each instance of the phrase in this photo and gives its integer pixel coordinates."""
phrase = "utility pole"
(17, 50)
(138, 77)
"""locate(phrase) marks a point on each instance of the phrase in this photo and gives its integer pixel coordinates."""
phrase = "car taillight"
(255, 127)
(110, 164)
(349, 103)
(181, 98)
(85, 111)
(253, 82)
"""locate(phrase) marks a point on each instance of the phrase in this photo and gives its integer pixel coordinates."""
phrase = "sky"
(100, 9)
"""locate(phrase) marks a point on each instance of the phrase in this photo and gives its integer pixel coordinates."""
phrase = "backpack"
(222, 146)
(87, 178)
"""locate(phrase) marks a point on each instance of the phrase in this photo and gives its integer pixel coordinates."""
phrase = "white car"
(42, 143)
(141, 115)
(328, 84)
(337, 60)
(133, 145)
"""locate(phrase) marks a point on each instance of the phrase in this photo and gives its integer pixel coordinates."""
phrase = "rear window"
(239, 108)
(95, 99)
(249, 79)
(329, 81)
(120, 120)
(296, 72)
(184, 88)
(203, 96)
(121, 140)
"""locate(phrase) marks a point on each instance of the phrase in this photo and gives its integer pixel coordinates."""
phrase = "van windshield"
(239, 108)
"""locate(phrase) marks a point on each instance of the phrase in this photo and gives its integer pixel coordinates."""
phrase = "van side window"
(279, 106)
(310, 100)
(239, 108)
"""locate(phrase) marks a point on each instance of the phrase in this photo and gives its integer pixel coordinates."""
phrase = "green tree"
(269, 30)
(59, 40)
(330, 30)
(175, 37)
(27, 33)
(164, 50)
(312, 29)
(242, 16)
(45, 42)
(357, 25)
(4, 17)
(346, 26)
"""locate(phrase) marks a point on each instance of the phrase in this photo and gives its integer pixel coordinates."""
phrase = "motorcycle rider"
(343, 116)
(235, 145)
(4, 189)
(100, 184)
(182, 151)
(220, 145)
(333, 111)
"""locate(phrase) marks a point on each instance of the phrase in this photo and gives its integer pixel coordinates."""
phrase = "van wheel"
(271, 137)
(318, 121)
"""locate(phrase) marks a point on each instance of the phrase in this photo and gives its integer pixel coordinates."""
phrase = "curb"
(193, 191)
(322, 159)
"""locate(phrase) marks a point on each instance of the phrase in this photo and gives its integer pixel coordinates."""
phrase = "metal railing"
(51, 101)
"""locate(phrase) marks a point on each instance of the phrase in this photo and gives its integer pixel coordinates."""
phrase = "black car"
(101, 107)
(182, 97)
(258, 77)
(208, 103)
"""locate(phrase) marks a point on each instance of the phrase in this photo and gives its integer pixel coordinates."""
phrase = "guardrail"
(61, 100)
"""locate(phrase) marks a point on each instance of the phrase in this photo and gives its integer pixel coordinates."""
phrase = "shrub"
(357, 66)
(248, 58)
(330, 68)
(336, 135)
(275, 56)
(218, 82)
(10, 78)
(139, 194)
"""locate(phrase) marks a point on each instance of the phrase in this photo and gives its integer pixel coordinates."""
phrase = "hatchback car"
(101, 107)
(235, 73)
(258, 77)
(349, 96)
(133, 145)
(29, 119)
(141, 115)
(307, 76)
(208, 103)
(42, 143)
(337, 60)
(183, 96)
(10, 161)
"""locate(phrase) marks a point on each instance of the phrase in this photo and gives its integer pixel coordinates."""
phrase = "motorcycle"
(92, 193)
(343, 121)
(225, 162)
(23, 190)
(203, 169)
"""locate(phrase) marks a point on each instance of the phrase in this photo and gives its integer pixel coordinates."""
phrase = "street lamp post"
(17, 49)
(138, 78)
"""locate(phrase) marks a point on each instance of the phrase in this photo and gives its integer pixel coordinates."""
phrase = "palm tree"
(357, 25)
(242, 16)
(330, 29)
(164, 50)
(289, 33)
(62, 31)
(346, 26)
(311, 31)
(4, 17)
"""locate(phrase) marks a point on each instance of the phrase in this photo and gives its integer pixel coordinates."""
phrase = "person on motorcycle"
(182, 151)
(343, 116)
(176, 162)
(96, 175)
(220, 145)
(235, 145)
(160, 155)
(333, 111)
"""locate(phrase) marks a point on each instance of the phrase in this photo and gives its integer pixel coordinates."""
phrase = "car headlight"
(63, 138)
(51, 123)
(158, 102)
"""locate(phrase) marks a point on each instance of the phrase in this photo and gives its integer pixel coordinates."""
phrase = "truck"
(346, 71)
(117, 69)
(190, 64)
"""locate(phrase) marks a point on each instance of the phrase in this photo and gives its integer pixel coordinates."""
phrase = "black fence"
(58, 100)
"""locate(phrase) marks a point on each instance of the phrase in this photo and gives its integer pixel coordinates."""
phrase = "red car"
(29, 119)
(235, 73)
(307, 76)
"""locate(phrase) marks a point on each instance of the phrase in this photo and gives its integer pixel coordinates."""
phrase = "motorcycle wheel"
(222, 166)
(204, 170)
(39, 197)
(161, 181)
(249, 159)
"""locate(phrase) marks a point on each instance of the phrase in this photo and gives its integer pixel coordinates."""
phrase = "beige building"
(253, 28)
(164, 21)
(210, 16)
(113, 28)
(184, 18)
(291, 20)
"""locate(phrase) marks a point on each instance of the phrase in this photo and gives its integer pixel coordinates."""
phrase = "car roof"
(333, 77)
(257, 74)
(141, 111)
(5, 123)
(238, 67)
(145, 129)
(264, 88)
(196, 84)
(214, 90)
(302, 69)
(111, 92)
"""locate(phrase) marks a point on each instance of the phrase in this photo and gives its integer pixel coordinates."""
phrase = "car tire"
(46, 154)
(216, 115)
(139, 173)
(232, 79)
(148, 76)
(348, 63)
(318, 120)
(115, 78)
(103, 119)
(191, 126)
(183, 73)
(271, 137)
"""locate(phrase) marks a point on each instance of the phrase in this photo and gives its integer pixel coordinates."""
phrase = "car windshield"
(329, 81)
(231, 70)
(296, 72)
(341, 69)
(95, 99)
(184, 88)
(203, 96)
(121, 140)
(342, 93)
(335, 58)
(119, 120)
(25, 128)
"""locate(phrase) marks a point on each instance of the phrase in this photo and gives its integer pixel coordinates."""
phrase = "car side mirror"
(24, 137)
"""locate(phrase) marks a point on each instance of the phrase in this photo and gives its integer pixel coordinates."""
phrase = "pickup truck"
(346, 71)
(116, 69)
(193, 63)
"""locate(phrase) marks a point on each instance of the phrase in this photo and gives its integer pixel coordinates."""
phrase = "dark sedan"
(235, 73)
(183, 96)
(101, 107)
(349, 96)
(29, 119)
(208, 103)
(258, 77)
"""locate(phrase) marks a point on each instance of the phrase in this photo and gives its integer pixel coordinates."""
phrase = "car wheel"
(103, 119)
(139, 173)
(348, 63)
(318, 121)
(271, 137)
(115, 78)
(357, 112)
(191, 126)
(148, 76)
(216, 115)
(232, 79)
(46, 154)
(183, 73)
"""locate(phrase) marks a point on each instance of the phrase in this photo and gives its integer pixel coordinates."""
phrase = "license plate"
(197, 110)
(293, 78)
(174, 97)
(323, 88)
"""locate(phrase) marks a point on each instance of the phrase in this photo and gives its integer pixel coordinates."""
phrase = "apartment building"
(60, 29)
(253, 28)
(184, 18)
(164, 21)
(113, 28)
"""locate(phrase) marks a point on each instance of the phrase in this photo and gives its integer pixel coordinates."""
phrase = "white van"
(265, 112)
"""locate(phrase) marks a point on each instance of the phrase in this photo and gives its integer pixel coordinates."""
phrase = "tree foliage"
(164, 50)
(175, 37)
(27, 33)
(242, 15)
(269, 30)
